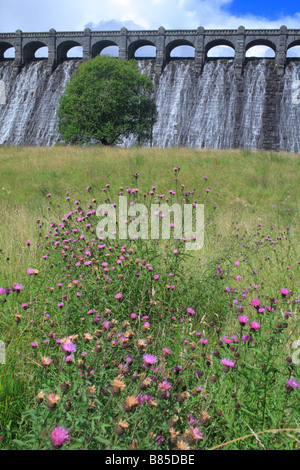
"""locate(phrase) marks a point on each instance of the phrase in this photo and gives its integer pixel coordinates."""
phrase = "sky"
(75, 15)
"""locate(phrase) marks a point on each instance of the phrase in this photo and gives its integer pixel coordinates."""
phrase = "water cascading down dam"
(211, 103)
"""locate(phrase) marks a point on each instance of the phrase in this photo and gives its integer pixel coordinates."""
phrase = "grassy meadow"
(139, 344)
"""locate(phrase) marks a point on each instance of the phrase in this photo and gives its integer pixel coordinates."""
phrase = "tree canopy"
(107, 99)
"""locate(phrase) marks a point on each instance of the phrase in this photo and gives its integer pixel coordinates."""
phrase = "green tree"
(107, 99)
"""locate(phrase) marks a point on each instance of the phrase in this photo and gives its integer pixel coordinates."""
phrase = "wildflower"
(118, 297)
(87, 337)
(59, 436)
(65, 386)
(291, 384)
(164, 388)
(195, 432)
(69, 347)
(118, 385)
(149, 359)
(91, 390)
(130, 403)
(166, 352)
(255, 303)
(180, 397)
(121, 427)
(143, 384)
(284, 292)
(180, 445)
(52, 400)
(190, 311)
(31, 271)
(40, 398)
(254, 325)
(229, 339)
(243, 319)
(46, 361)
(142, 343)
(17, 288)
(177, 369)
(227, 363)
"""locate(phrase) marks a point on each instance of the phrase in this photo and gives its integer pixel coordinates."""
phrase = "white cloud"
(34, 15)
(68, 15)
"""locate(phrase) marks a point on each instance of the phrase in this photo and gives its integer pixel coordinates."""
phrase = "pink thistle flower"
(254, 325)
(190, 311)
(247, 338)
(255, 303)
(149, 359)
(292, 383)
(229, 339)
(166, 351)
(69, 358)
(59, 436)
(243, 319)
(165, 385)
(196, 433)
(17, 287)
(69, 347)
(284, 292)
(227, 363)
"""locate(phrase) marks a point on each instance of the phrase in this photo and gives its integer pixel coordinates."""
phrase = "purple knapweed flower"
(254, 325)
(59, 436)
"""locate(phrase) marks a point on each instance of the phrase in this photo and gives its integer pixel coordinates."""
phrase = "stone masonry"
(93, 42)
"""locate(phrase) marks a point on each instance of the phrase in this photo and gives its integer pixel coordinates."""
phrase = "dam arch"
(63, 49)
(136, 45)
(31, 48)
(100, 46)
(4, 46)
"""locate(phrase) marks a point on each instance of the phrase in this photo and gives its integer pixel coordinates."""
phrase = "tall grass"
(248, 186)
(251, 250)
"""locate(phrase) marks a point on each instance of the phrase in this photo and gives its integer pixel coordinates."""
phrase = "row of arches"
(145, 48)
(150, 52)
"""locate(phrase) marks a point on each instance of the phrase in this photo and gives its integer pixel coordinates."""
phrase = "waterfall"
(29, 115)
(210, 110)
